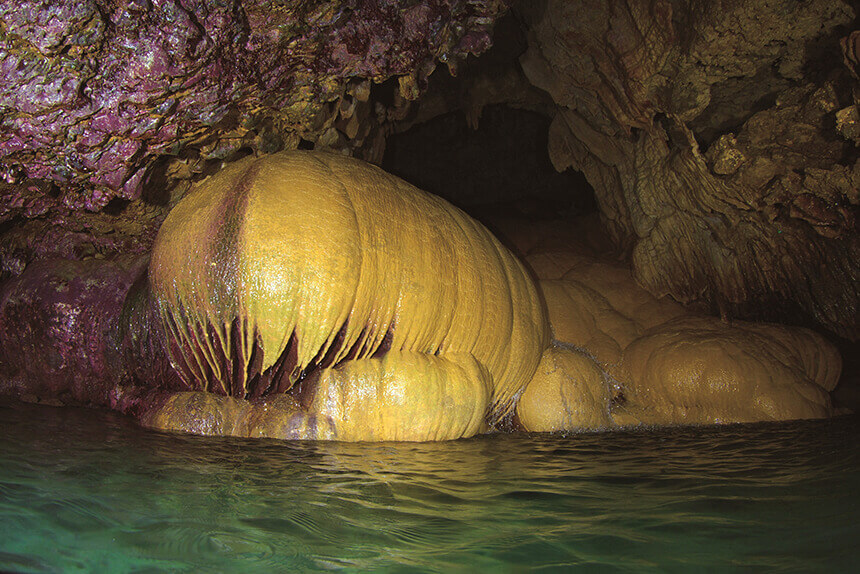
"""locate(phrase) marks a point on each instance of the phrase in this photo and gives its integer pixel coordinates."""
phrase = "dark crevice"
(9, 224)
(116, 206)
(385, 92)
(156, 185)
(240, 153)
(503, 162)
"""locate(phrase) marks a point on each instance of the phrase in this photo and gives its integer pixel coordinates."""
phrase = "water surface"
(88, 491)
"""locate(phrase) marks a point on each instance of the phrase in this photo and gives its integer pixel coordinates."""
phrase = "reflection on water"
(85, 491)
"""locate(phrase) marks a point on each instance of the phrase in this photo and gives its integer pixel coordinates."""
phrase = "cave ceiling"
(720, 137)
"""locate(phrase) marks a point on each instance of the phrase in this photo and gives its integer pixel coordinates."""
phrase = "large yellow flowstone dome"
(311, 295)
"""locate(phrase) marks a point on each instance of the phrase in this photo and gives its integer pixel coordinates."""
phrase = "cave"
(213, 221)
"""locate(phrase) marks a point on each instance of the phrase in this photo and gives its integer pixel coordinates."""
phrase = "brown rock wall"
(718, 138)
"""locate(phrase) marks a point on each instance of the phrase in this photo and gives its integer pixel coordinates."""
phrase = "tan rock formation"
(569, 392)
(699, 370)
(410, 318)
(661, 363)
(720, 142)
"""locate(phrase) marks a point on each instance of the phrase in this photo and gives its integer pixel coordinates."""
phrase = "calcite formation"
(426, 328)
(307, 295)
(661, 363)
(404, 396)
(282, 266)
(569, 392)
(719, 140)
(699, 370)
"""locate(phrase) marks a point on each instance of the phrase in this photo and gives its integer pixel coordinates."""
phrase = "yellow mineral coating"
(581, 316)
(200, 413)
(342, 255)
(699, 370)
(568, 393)
(204, 413)
(305, 243)
(281, 416)
(673, 365)
(597, 305)
(179, 260)
(404, 396)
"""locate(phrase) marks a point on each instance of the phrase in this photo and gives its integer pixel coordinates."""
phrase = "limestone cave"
(679, 178)
(611, 245)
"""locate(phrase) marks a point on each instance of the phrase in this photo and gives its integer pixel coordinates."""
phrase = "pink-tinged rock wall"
(101, 99)
(58, 325)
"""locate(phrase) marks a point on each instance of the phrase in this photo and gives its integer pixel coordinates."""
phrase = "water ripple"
(89, 491)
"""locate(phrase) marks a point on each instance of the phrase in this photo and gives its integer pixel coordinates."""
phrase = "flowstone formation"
(280, 271)
(388, 304)
(312, 296)
(308, 295)
(645, 360)
(720, 139)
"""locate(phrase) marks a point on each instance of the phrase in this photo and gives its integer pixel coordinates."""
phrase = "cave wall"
(108, 109)
(720, 137)
(721, 140)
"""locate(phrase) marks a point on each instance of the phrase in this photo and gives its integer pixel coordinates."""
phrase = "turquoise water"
(88, 491)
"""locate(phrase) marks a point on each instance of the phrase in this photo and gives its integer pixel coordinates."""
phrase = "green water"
(85, 491)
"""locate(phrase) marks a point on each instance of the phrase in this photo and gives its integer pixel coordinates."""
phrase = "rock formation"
(107, 109)
(720, 139)
(316, 267)
(644, 360)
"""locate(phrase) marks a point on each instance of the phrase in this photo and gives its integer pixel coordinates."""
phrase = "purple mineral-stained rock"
(49, 26)
(93, 92)
(58, 325)
(83, 333)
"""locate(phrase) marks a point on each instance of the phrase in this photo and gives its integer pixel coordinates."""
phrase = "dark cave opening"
(500, 166)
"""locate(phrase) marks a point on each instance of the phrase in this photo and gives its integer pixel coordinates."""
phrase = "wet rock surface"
(618, 356)
(58, 326)
(636, 359)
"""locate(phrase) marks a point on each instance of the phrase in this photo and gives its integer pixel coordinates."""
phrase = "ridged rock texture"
(720, 137)
(634, 359)
(388, 314)
(721, 140)
(397, 302)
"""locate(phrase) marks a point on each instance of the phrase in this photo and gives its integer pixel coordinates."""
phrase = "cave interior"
(708, 148)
